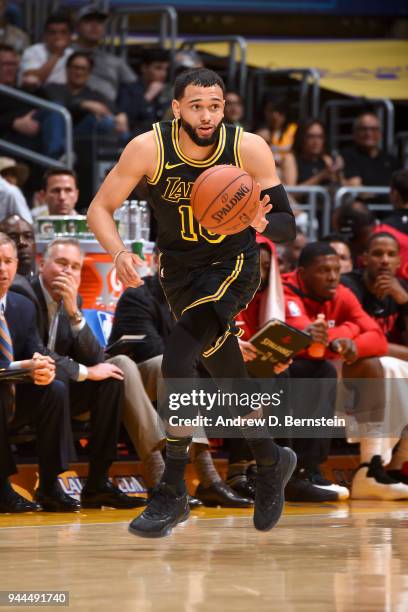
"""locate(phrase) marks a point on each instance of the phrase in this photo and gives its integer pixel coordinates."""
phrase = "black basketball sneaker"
(270, 488)
(163, 512)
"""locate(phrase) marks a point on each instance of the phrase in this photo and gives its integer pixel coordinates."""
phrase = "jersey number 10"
(189, 225)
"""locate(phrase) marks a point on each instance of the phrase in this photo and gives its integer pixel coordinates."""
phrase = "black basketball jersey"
(180, 236)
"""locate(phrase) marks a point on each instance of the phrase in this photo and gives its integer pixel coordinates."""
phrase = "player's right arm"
(138, 159)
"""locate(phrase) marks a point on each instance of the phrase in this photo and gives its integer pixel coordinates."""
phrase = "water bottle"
(144, 220)
(124, 221)
(317, 349)
(134, 220)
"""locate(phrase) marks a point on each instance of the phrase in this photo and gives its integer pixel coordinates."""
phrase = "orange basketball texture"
(224, 199)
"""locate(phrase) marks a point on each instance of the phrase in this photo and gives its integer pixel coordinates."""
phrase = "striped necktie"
(6, 354)
(6, 345)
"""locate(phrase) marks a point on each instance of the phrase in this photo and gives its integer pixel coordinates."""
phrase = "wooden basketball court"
(341, 557)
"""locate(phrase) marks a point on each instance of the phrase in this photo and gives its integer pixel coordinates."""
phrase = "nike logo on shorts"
(170, 166)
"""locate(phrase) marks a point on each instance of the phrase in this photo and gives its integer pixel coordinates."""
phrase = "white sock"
(370, 447)
(401, 454)
(387, 447)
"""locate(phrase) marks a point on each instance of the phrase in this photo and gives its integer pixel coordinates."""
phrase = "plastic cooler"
(100, 287)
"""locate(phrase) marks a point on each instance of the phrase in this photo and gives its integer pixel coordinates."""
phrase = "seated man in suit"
(42, 404)
(90, 384)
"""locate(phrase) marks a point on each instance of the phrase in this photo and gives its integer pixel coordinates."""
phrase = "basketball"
(224, 199)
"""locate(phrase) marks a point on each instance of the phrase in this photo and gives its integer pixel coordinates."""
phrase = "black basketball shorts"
(229, 285)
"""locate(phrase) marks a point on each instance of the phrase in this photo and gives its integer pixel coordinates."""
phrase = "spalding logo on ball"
(224, 199)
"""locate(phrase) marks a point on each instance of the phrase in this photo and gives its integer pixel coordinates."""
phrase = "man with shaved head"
(22, 232)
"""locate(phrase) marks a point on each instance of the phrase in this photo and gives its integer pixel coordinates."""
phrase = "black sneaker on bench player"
(308, 485)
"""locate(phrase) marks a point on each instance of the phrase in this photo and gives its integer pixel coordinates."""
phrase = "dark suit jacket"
(70, 349)
(144, 311)
(21, 320)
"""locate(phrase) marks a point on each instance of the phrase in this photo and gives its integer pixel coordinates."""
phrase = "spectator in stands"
(22, 124)
(187, 59)
(290, 252)
(109, 71)
(348, 334)
(12, 201)
(15, 173)
(234, 110)
(146, 101)
(10, 34)
(22, 233)
(45, 62)
(144, 311)
(41, 404)
(399, 198)
(278, 131)
(382, 295)
(60, 192)
(90, 110)
(90, 384)
(342, 248)
(356, 223)
(309, 164)
(364, 162)
(397, 223)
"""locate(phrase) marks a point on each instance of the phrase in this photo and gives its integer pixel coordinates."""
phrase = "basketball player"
(207, 278)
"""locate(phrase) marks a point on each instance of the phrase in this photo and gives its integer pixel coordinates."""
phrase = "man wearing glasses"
(365, 162)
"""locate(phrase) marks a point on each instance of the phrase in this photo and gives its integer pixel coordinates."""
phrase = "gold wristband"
(115, 259)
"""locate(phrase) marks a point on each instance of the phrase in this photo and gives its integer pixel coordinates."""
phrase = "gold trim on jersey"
(160, 155)
(194, 162)
(215, 297)
(237, 146)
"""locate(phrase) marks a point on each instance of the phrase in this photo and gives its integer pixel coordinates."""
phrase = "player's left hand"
(260, 221)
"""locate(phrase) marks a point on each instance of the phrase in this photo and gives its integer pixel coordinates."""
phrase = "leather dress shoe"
(15, 503)
(57, 501)
(220, 494)
(109, 496)
(242, 485)
(194, 503)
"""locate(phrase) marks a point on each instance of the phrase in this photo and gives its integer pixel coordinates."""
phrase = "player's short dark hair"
(333, 237)
(58, 172)
(203, 77)
(58, 18)
(378, 236)
(82, 54)
(313, 250)
(399, 182)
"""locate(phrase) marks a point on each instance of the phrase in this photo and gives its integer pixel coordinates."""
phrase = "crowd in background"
(349, 290)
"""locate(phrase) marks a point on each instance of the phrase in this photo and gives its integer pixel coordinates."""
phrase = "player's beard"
(201, 142)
